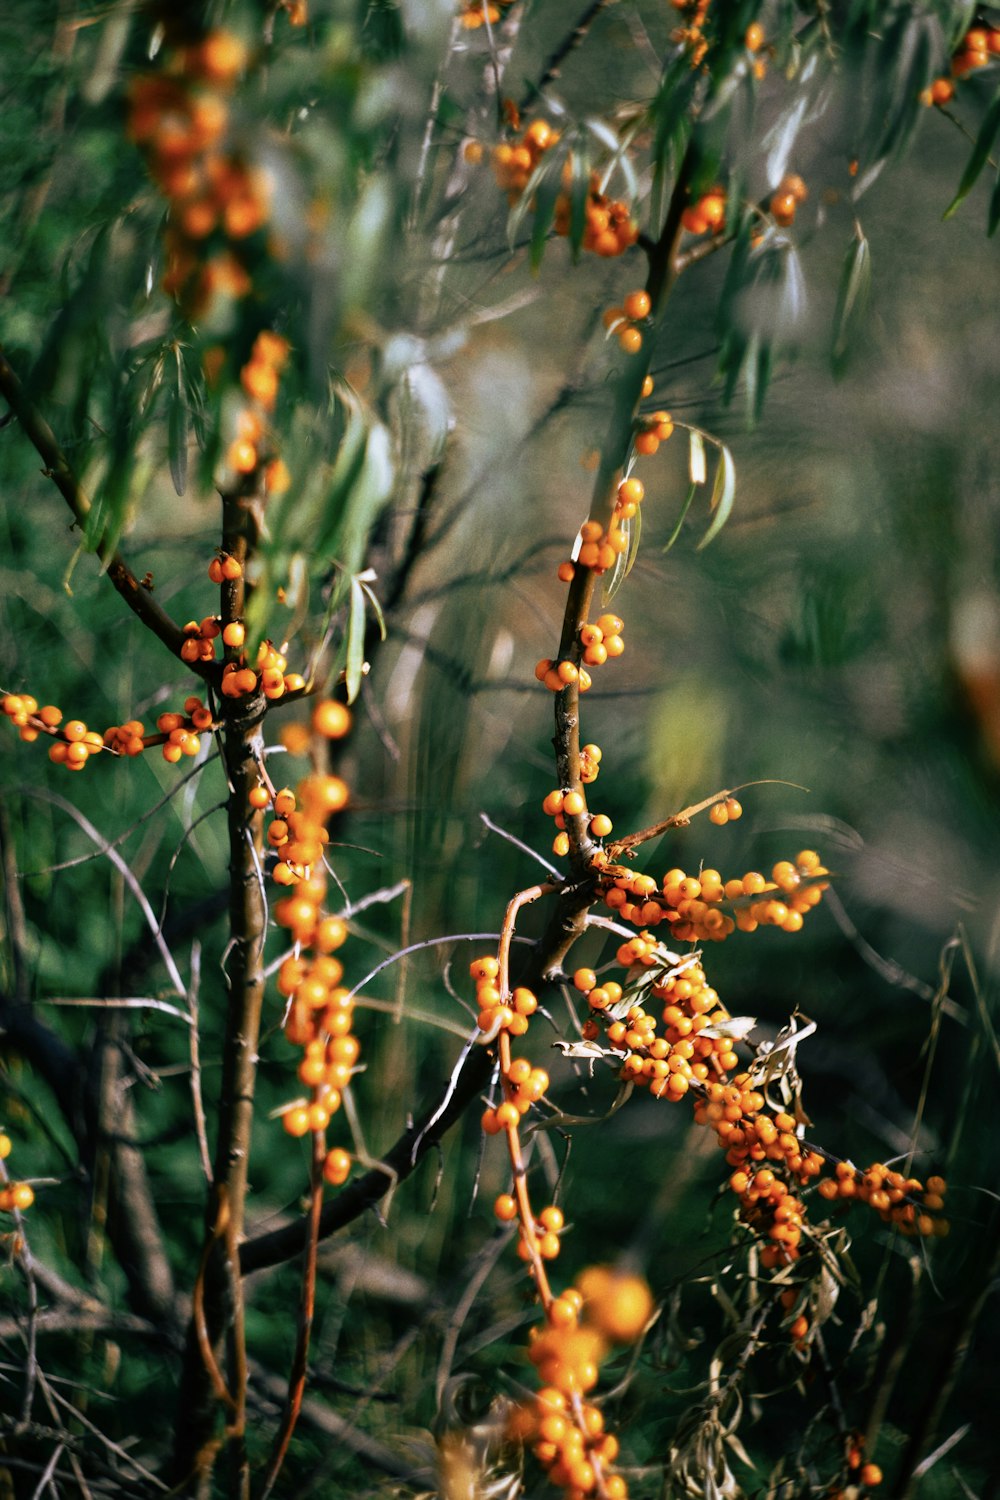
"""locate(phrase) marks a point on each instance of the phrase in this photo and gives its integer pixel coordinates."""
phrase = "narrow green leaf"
(681, 518)
(354, 669)
(994, 214)
(697, 467)
(723, 493)
(980, 154)
(762, 379)
(545, 204)
(177, 439)
(852, 301)
(579, 190)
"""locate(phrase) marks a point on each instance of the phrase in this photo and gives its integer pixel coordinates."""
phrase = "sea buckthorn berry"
(566, 572)
(584, 980)
(601, 826)
(610, 625)
(525, 1002)
(630, 340)
(234, 634)
(631, 491)
(753, 40)
(573, 804)
(637, 305)
(331, 719)
(484, 968)
(870, 1475)
(22, 1195)
(337, 1166)
(296, 1120)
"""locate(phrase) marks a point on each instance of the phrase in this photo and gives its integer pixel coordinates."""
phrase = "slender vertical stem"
(220, 1283)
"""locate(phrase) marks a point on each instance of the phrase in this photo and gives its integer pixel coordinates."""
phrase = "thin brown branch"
(222, 1290)
(57, 468)
(543, 962)
(559, 54)
(300, 1362)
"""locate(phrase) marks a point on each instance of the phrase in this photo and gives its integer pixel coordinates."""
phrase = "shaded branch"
(139, 600)
(471, 1077)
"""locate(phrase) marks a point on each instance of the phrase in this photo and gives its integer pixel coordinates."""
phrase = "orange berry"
(22, 1195)
(331, 719)
(337, 1166)
(296, 1121)
(637, 305)
(630, 340)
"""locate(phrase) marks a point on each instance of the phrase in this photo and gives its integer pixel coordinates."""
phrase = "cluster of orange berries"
(656, 428)
(621, 321)
(271, 673)
(692, 905)
(979, 44)
(861, 1473)
(978, 47)
(783, 202)
(599, 643)
(514, 163)
(561, 805)
(19, 1195)
(604, 1307)
(180, 117)
(260, 377)
(768, 1203)
(320, 1011)
(181, 731)
(691, 34)
(510, 1013)
(73, 743)
(707, 213)
(905, 1202)
(771, 1162)
(475, 13)
(695, 1054)
(669, 1065)
(609, 228)
(599, 549)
